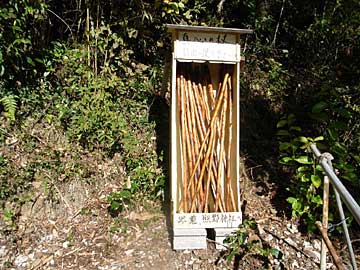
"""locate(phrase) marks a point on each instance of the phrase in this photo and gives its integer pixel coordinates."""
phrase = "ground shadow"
(259, 149)
(160, 114)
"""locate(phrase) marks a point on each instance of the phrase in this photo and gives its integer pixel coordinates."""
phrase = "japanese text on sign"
(221, 38)
(207, 220)
(207, 51)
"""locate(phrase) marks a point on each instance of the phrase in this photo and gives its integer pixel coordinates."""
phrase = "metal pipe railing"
(341, 193)
(350, 202)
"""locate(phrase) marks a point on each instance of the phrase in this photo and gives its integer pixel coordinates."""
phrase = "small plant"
(246, 242)
(10, 106)
(119, 200)
(9, 216)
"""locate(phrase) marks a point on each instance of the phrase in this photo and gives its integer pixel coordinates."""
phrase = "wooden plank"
(174, 135)
(207, 220)
(206, 51)
(236, 140)
(174, 27)
(189, 239)
(209, 37)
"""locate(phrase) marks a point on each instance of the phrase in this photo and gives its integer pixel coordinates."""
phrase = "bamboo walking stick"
(196, 117)
(210, 132)
(183, 145)
(211, 97)
(216, 110)
(203, 100)
(207, 184)
(190, 118)
(228, 175)
(208, 99)
(187, 128)
(208, 179)
(221, 154)
(206, 158)
(212, 169)
(210, 174)
(200, 112)
(203, 103)
(201, 131)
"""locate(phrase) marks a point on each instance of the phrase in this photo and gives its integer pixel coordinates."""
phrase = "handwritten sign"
(207, 220)
(207, 46)
(207, 51)
(221, 38)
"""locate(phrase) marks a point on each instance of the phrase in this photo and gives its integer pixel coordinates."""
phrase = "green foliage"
(10, 105)
(9, 216)
(100, 104)
(14, 181)
(305, 186)
(240, 238)
(339, 121)
(245, 240)
(104, 106)
(20, 39)
(119, 200)
(10, 219)
(190, 12)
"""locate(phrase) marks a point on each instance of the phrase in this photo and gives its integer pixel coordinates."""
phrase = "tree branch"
(278, 23)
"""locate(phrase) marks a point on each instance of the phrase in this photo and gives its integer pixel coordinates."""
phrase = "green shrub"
(105, 106)
(306, 183)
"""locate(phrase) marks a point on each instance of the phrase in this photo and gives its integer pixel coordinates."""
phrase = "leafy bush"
(20, 39)
(306, 185)
(97, 102)
(105, 106)
(339, 121)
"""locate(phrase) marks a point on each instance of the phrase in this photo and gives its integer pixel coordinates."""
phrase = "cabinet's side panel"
(237, 135)
(173, 143)
(235, 130)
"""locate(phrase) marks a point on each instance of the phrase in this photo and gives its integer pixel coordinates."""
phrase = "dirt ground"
(73, 229)
(68, 236)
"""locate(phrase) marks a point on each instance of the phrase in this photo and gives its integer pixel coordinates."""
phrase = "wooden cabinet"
(205, 132)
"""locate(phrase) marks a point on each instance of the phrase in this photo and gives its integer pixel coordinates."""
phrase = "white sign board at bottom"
(207, 220)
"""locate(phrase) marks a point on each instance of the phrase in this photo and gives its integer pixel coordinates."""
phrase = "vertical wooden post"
(173, 138)
(325, 221)
(337, 259)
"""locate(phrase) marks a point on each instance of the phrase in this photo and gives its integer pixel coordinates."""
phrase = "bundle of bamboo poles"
(205, 117)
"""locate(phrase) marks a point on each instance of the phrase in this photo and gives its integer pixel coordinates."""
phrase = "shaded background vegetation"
(93, 71)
